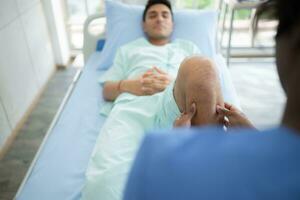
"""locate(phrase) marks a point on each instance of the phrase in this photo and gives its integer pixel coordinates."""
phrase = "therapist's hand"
(155, 80)
(185, 119)
(235, 117)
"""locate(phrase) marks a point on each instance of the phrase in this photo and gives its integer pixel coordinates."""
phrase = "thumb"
(192, 110)
(159, 70)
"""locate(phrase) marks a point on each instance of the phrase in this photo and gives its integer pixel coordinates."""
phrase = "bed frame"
(90, 40)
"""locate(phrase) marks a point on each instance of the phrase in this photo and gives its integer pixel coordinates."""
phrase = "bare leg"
(197, 81)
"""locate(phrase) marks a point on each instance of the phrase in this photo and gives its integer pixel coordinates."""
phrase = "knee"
(196, 66)
(198, 69)
(198, 82)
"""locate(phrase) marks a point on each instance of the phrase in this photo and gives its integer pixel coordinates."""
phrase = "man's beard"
(160, 37)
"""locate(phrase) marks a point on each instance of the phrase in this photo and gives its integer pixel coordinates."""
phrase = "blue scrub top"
(207, 163)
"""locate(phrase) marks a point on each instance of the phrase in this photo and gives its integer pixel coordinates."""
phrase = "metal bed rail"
(52, 125)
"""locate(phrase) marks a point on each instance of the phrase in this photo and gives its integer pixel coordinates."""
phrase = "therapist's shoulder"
(167, 142)
(207, 160)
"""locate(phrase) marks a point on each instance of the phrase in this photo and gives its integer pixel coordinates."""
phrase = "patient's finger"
(149, 75)
(146, 75)
(162, 77)
(162, 82)
(149, 72)
(159, 86)
(152, 75)
(159, 70)
(147, 81)
(155, 84)
(147, 90)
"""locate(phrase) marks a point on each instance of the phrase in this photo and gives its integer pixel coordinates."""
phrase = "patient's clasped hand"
(145, 96)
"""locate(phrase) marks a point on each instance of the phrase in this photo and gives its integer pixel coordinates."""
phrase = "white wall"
(55, 17)
(26, 60)
(5, 127)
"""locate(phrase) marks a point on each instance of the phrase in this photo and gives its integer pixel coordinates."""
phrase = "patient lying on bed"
(151, 82)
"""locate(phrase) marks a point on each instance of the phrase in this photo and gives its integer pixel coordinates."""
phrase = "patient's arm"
(111, 90)
(198, 82)
(151, 82)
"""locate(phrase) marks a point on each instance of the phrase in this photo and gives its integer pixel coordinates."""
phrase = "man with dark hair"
(206, 163)
(153, 2)
(141, 84)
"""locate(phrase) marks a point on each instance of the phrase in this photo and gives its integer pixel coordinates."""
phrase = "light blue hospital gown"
(132, 115)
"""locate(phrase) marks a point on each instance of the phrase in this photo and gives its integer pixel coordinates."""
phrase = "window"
(196, 4)
(77, 12)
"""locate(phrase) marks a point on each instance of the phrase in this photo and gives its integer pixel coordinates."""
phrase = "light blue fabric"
(120, 138)
(59, 170)
(135, 58)
(207, 163)
(168, 110)
(124, 25)
(131, 116)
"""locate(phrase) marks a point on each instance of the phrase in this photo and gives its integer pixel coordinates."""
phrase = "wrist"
(124, 86)
(129, 86)
(120, 86)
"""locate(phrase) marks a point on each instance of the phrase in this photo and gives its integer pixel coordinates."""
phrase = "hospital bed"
(58, 169)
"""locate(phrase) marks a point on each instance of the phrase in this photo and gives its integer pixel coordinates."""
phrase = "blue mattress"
(59, 172)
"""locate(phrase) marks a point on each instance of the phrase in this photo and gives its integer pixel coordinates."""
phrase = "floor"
(16, 162)
(260, 93)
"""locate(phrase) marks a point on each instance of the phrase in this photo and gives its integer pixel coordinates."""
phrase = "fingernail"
(193, 107)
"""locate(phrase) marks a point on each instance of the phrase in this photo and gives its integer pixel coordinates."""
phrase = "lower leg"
(198, 82)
